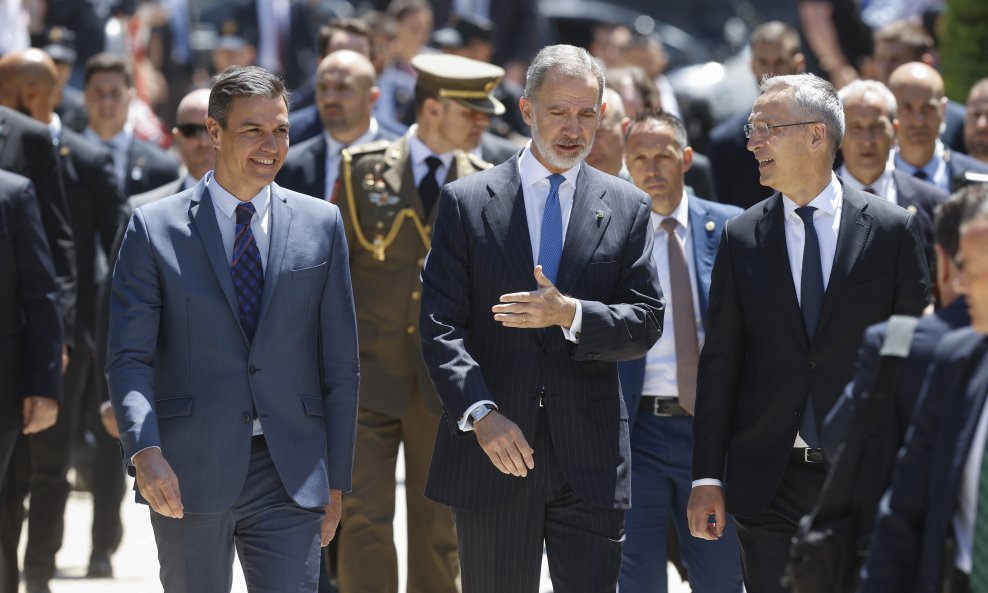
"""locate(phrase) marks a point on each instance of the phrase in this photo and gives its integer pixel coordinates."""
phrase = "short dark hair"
(356, 27)
(660, 117)
(963, 206)
(243, 81)
(107, 62)
(908, 33)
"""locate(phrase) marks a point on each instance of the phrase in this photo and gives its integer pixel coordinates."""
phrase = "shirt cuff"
(573, 333)
(141, 451)
(464, 423)
(707, 482)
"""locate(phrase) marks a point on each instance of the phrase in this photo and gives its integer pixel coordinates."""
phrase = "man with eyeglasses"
(796, 280)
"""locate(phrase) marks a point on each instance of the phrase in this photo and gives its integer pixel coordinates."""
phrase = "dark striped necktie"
(811, 302)
(246, 271)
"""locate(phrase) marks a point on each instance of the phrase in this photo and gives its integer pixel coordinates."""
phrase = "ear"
(526, 109)
(800, 60)
(625, 122)
(374, 94)
(687, 158)
(213, 127)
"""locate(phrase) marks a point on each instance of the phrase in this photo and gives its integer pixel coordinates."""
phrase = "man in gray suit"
(232, 358)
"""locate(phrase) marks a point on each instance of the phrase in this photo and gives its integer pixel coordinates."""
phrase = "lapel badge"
(395, 153)
(137, 173)
(911, 209)
(64, 151)
(369, 180)
(379, 186)
(381, 199)
(599, 215)
(710, 226)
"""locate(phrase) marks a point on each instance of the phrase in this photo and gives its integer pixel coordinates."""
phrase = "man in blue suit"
(232, 358)
(539, 281)
(930, 533)
(660, 389)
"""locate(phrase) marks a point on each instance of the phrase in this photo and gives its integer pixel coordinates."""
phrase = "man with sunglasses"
(796, 280)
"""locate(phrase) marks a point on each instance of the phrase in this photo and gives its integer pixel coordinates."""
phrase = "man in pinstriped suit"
(534, 374)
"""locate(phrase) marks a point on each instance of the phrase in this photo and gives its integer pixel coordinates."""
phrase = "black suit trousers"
(766, 538)
(501, 548)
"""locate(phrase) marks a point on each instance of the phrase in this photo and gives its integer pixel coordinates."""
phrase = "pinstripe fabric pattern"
(480, 251)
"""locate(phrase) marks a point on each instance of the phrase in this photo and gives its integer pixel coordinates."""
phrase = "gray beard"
(549, 154)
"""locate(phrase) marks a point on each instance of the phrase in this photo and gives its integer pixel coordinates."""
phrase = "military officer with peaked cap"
(388, 199)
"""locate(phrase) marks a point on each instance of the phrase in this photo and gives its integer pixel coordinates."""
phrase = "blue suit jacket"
(915, 515)
(707, 225)
(480, 251)
(183, 376)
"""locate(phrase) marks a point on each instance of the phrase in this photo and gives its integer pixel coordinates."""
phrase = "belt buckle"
(806, 455)
(656, 405)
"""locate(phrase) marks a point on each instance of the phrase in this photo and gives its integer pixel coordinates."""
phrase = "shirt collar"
(826, 201)
(880, 185)
(680, 214)
(55, 127)
(418, 151)
(334, 146)
(531, 171)
(930, 168)
(228, 203)
(119, 142)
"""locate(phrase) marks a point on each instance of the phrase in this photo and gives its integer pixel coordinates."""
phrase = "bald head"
(345, 94)
(918, 90)
(976, 121)
(28, 83)
(197, 100)
(191, 138)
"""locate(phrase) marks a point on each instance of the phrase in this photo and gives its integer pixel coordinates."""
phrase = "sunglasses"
(190, 130)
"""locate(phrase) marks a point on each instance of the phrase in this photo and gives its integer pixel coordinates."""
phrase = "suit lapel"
(4, 132)
(281, 221)
(770, 230)
(855, 226)
(587, 223)
(705, 232)
(203, 216)
(319, 167)
(504, 213)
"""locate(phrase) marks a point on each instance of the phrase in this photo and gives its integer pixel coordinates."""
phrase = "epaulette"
(362, 149)
(478, 162)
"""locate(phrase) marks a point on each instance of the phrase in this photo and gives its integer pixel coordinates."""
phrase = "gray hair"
(812, 98)
(569, 60)
(860, 88)
(249, 81)
(615, 107)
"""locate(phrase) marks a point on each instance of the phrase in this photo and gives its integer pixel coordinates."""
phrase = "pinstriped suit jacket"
(480, 251)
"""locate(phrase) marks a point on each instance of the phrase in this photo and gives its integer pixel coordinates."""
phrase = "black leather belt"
(661, 406)
(807, 455)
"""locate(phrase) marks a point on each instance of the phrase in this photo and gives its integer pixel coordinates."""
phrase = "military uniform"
(388, 232)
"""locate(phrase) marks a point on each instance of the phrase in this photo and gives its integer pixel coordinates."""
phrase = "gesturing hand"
(544, 307)
(334, 510)
(158, 484)
(505, 444)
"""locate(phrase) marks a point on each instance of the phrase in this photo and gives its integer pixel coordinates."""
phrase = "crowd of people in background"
(105, 108)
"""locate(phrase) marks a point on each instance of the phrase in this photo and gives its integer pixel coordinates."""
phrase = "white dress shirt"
(936, 169)
(225, 205)
(119, 145)
(967, 502)
(418, 152)
(826, 221)
(333, 149)
(534, 179)
(884, 186)
(660, 362)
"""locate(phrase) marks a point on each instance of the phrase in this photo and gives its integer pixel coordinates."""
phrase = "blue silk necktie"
(811, 302)
(551, 241)
(246, 271)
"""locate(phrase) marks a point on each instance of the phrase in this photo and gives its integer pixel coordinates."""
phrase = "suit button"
(246, 418)
(410, 329)
(593, 355)
(251, 369)
(545, 350)
(811, 365)
(416, 295)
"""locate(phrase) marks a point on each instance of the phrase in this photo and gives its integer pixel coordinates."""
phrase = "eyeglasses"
(762, 129)
(190, 130)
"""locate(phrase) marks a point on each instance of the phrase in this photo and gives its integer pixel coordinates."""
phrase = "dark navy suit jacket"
(304, 170)
(480, 251)
(907, 552)
(707, 226)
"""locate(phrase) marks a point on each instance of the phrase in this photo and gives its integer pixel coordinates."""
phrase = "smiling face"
(783, 154)
(867, 138)
(564, 117)
(251, 148)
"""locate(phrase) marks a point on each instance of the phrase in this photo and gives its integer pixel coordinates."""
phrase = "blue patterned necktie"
(551, 242)
(246, 271)
(811, 302)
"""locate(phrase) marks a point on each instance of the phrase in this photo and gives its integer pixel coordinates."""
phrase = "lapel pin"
(599, 214)
(64, 151)
(710, 226)
(911, 209)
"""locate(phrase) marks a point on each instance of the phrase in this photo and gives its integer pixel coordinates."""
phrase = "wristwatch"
(480, 412)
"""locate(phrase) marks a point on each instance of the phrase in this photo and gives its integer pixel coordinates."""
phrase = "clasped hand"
(541, 308)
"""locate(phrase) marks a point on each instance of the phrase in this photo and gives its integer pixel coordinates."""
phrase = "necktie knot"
(806, 213)
(245, 211)
(555, 180)
(870, 190)
(433, 162)
(920, 174)
(669, 224)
